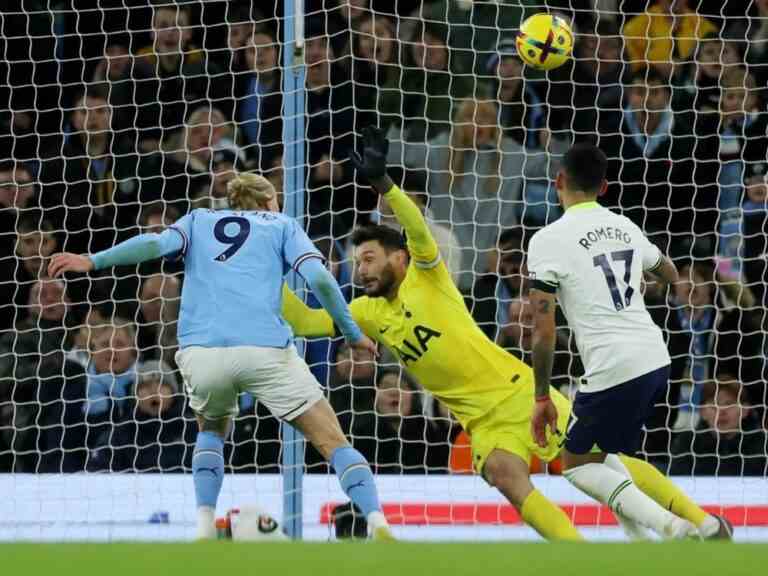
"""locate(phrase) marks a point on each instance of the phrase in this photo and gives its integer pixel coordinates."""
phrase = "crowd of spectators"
(116, 127)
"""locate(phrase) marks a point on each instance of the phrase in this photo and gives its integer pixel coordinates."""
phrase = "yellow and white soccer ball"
(545, 41)
(249, 524)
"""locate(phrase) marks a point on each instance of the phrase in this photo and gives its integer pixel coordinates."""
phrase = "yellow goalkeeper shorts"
(508, 427)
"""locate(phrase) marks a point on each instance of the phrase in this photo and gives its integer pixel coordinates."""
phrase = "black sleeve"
(543, 286)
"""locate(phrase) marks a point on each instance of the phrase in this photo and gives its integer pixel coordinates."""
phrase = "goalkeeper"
(413, 307)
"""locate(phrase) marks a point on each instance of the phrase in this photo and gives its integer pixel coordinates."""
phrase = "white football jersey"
(594, 259)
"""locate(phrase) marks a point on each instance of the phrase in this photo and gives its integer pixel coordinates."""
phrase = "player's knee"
(509, 474)
(492, 471)
(498, 467)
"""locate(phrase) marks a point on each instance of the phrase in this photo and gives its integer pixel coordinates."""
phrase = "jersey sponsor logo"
(410, 351)
(604, 233)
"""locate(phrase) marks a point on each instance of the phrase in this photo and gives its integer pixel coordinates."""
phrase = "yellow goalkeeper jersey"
(429, 328)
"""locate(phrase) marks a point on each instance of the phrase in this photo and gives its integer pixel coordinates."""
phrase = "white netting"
(122, 117)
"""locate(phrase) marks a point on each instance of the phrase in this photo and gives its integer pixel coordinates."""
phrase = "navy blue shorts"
(613, 419)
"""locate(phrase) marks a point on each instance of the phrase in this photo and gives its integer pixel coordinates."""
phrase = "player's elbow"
(668, 271)
(321, 282)
(155, 245)
(317, 276)
(674, 276)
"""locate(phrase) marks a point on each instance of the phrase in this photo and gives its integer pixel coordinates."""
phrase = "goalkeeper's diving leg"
(321, 427)
(509, 473)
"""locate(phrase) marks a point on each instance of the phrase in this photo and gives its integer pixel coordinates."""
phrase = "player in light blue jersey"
(232, 337)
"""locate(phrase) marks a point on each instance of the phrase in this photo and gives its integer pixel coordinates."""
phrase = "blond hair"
(249, 191)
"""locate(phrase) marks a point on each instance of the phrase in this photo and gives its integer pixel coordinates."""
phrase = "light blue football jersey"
(234, 264)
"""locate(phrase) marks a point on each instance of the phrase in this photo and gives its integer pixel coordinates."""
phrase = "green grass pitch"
(400, 559)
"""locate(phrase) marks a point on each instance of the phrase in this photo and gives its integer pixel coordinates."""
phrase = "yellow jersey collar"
(583, 206)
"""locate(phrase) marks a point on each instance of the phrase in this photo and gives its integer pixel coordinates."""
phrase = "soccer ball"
(249, 524)
(544, 41)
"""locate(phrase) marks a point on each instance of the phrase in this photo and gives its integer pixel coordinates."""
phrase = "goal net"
(120, 118)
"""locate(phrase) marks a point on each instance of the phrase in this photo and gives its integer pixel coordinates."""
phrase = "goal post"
(294, 190)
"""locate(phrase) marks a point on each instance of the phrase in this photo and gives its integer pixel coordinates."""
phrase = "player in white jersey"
(592, 260)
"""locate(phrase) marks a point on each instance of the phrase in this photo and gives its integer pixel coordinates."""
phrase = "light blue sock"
(356, 479)
(208, 468)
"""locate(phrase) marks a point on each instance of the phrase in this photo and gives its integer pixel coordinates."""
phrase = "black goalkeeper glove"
(373, 163)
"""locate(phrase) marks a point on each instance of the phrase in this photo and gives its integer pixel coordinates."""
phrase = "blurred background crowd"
(118, 119)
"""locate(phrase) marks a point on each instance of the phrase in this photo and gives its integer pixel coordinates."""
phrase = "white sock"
(633, 530)
(206, 523)
(623, 497)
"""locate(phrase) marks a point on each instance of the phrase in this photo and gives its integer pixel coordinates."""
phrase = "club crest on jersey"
(410, 351)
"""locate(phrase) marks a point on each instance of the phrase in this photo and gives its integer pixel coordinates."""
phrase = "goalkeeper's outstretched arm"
(309, 322)
(421, 244)
(327, 291)
(134, 250)
(373, 165)
(306, 322)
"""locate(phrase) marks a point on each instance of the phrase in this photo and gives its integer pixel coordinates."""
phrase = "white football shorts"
(277, 377)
